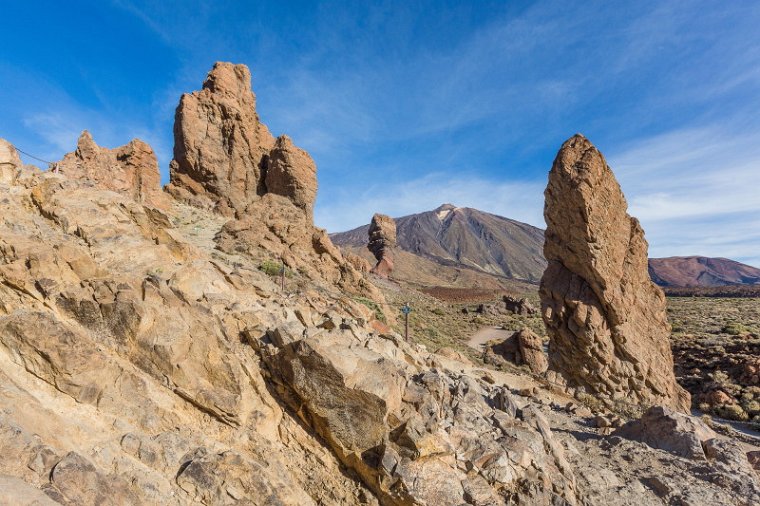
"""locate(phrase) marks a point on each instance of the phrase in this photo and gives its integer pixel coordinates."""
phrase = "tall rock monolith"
(606, 320)
(382, 241)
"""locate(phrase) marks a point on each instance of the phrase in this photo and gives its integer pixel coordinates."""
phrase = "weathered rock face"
(291, 173)
(382, 241)
(275, 229)
(225, 159)
(606, 320)
(667, 430)
(131, 382)
(220, 146)
(10, 162)
(131, 169)
(524, 347)
(416, 435)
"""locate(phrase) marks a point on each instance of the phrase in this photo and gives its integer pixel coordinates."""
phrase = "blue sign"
(406, 309)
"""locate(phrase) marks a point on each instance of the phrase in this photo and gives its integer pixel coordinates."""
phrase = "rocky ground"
(716, 345)
(716, 341)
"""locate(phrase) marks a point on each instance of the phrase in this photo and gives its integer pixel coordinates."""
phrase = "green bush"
(734, 329)
(274, 268)
(373, 306)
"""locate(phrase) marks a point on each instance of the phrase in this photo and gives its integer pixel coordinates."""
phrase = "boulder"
(524, 347)
(131, 169)
(382, 242)
(606, 320)
(668, 430)
(417, 435)
(518, 306)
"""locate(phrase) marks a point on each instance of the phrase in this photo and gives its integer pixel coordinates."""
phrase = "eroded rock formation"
(131, 169)
(382, 241)
(606, 320)
(225, 159)
(291, 173)
(220, 146)
(524, 347)
(10, 162)
(521, 306)
(185, 376)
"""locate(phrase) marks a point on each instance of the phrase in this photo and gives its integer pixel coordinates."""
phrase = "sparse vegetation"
(371, 304)
(274, 268)
(716, 349)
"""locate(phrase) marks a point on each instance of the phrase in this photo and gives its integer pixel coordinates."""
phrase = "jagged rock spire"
(606, 319)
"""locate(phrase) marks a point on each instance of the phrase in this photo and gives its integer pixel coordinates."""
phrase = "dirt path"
(485, 334)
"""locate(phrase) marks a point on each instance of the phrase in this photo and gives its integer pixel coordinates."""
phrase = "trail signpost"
(406, 309)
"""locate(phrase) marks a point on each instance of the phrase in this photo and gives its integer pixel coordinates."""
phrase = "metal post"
(406, 309)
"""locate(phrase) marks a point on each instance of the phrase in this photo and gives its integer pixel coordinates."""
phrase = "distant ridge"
(696, 271)
(466, 237)
(474, 240)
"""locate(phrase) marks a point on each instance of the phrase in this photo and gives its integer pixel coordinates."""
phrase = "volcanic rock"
(667, 430)
(518, 306)
(524, 347)
(220, 146)
(606, 320)
(131, 169)
(291, 173)
(382, 241)
(225, 159)
(10, 162)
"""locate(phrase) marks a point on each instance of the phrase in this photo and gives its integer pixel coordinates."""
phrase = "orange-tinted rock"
(606, 319)
(291, 173)
(131, 169)
(219, 143)
(382, 241)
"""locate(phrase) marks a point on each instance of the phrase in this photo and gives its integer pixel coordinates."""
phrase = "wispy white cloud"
(695, 191)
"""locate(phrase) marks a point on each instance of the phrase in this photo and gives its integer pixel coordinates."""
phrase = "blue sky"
(407, 105)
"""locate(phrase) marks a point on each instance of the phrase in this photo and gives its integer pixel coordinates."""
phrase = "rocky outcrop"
(291, 173)
(415, 435)
(10, 162)
(519, 306)
(220, 146)
(131, 169)
(668, 430)
(524, 347)
(131, 382)
(382, 242)
(689, 437)
(225, 159)
(606, 320)
(275, 229)
(224, 156)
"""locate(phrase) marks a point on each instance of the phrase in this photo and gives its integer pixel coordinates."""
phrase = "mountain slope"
(701, 271)
(466, 237)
